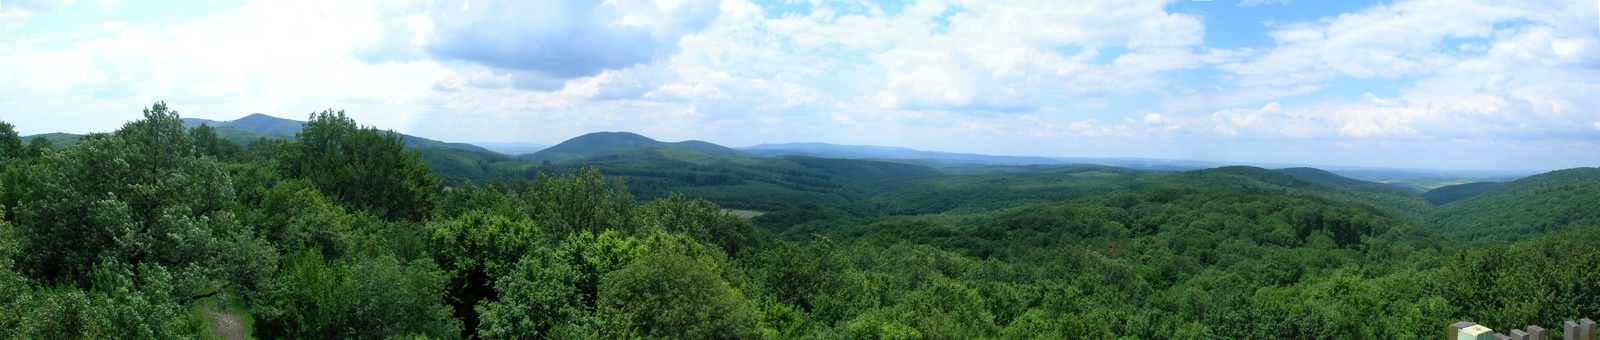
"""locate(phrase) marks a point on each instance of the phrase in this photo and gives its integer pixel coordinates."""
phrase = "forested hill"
(1328, 177)
(273, 127)
(884, 152)
(155, 231)
(754, 183)
(598, 142)
(1452, 193)
(1525, 208)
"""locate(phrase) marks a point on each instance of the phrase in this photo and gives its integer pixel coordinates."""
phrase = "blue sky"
(1499, 85)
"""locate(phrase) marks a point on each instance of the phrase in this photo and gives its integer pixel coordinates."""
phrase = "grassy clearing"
(746, 214)
(232, 321)
(1426, 184)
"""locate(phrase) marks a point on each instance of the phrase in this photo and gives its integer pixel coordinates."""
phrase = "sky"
(1427, 84)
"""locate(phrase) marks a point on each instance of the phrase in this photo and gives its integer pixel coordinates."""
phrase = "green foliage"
(370, 298)
(540, 299)
(702, 220)
(477, 248)
(207, 142)
(39, 147)
(139, 197)
(10, 143)
(360, 168)
(676, 291)
(1525, 208)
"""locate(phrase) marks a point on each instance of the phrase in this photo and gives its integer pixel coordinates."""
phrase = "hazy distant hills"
(512, 148)
(1327, 177)
(866, 151)
(260, 125)
(1524, 208)
(595, 143)
(1285, 182)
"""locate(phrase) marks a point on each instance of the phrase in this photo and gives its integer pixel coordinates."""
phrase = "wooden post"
(1569, 330)
(1535, 333)
(1586, 329)
(1519, 335)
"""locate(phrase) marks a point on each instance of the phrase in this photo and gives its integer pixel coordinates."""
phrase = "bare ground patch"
(224, 323)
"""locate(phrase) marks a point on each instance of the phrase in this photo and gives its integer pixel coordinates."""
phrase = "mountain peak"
(597, 142)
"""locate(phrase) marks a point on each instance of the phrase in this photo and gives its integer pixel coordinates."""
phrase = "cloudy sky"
(1444, 84)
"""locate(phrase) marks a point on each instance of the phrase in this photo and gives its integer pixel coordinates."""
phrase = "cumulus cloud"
(540, 43)
(952, 75)
(1463, 69)
(1003, 56)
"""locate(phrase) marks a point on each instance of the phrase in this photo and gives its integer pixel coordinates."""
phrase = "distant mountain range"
(1326, 177)
(260, 125)
(886, 152)
(477, 155)
(512, 149)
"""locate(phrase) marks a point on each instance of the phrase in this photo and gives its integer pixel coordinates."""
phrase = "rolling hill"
(1452, 193)
(598, 142)
(826, 150)
(737, 182)
(512, 149)
(1328, 177)
(1525, 208)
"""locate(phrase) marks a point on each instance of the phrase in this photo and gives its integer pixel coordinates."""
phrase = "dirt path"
(224, 323)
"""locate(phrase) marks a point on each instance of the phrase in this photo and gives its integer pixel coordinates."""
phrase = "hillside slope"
(740, 182)
(1451, 193)
(826, 150)
(1328, 177)
(1525, 208)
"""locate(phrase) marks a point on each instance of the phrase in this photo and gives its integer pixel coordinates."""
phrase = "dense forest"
(158, 230)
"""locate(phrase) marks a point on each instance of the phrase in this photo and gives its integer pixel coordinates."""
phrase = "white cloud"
(978, 76)
(1152, 118)
(540, 42)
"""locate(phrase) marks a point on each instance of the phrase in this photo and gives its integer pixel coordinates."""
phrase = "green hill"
(965, 194)
(1327, 177)
(1277, 181)
(1451, 193)
(598, 142)
(259, 123)
(1525, 208)
(737, 182)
